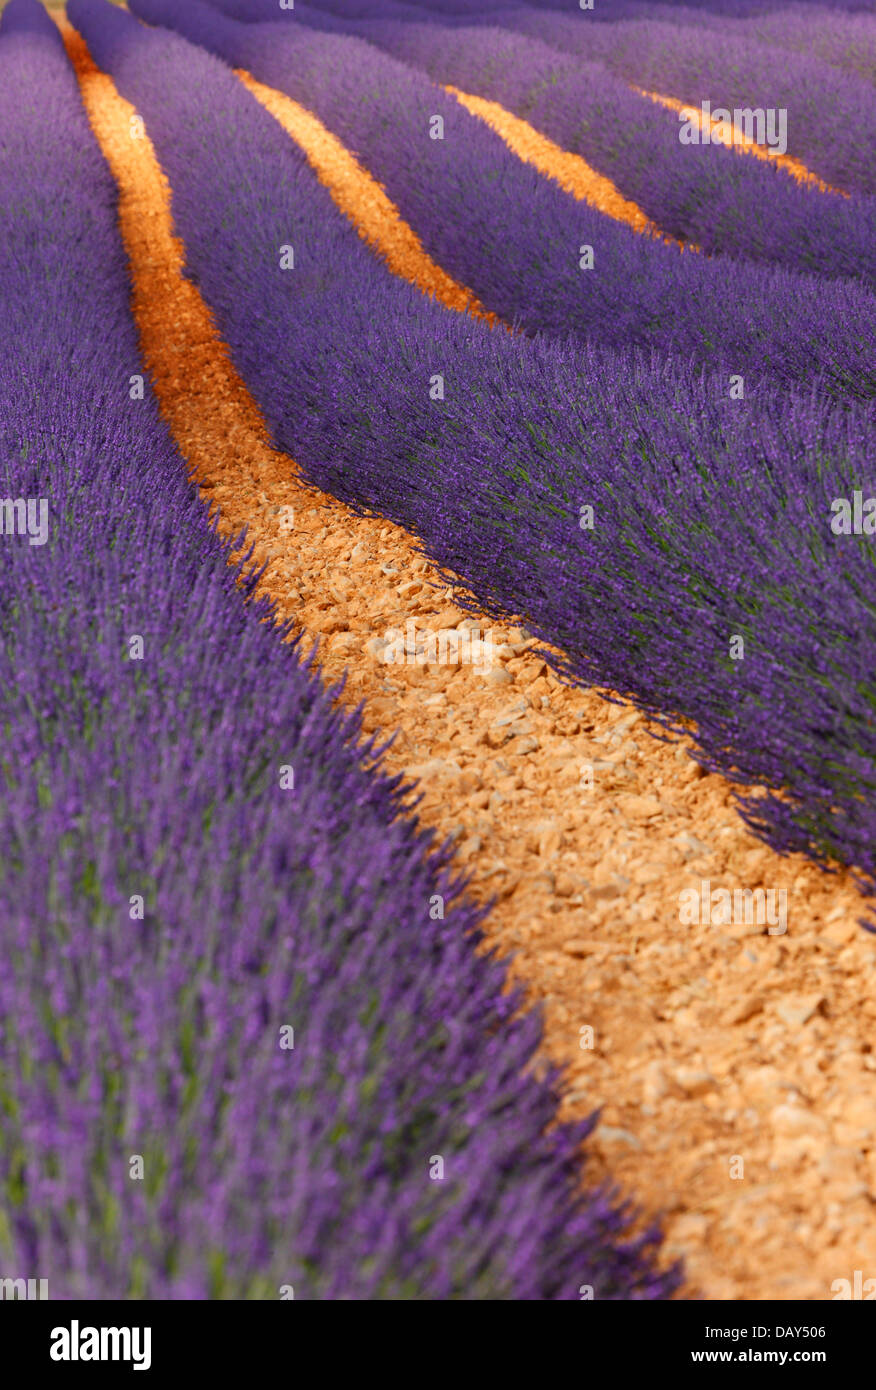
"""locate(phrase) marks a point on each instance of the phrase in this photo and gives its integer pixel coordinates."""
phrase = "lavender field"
(438, 798)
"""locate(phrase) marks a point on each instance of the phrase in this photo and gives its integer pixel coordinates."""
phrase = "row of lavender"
(844, 40)
(702, 193)
(838, 32)
(710, 527)
(236, 1030)
(519, 242)
(705, 12)
(831, 113)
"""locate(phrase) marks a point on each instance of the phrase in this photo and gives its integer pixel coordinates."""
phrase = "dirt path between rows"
(734, 1066)
(359, 197)
(570, 171)
(735, 140)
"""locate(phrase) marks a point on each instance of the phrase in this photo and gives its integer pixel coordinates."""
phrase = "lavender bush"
(515, 238)
(831, 114)
(846, 41)
(151, 779)
(816, 59)
(713, 514)
(829, 21)
(706, 12)
(720, 200)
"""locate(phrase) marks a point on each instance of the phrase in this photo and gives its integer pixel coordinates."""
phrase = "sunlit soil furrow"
(570, 171)
(363, 201)
(709, 1044)
(719, 134)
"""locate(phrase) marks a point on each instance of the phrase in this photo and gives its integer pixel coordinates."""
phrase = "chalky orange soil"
(741, 143)
(570, 171)
(734, 1069)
